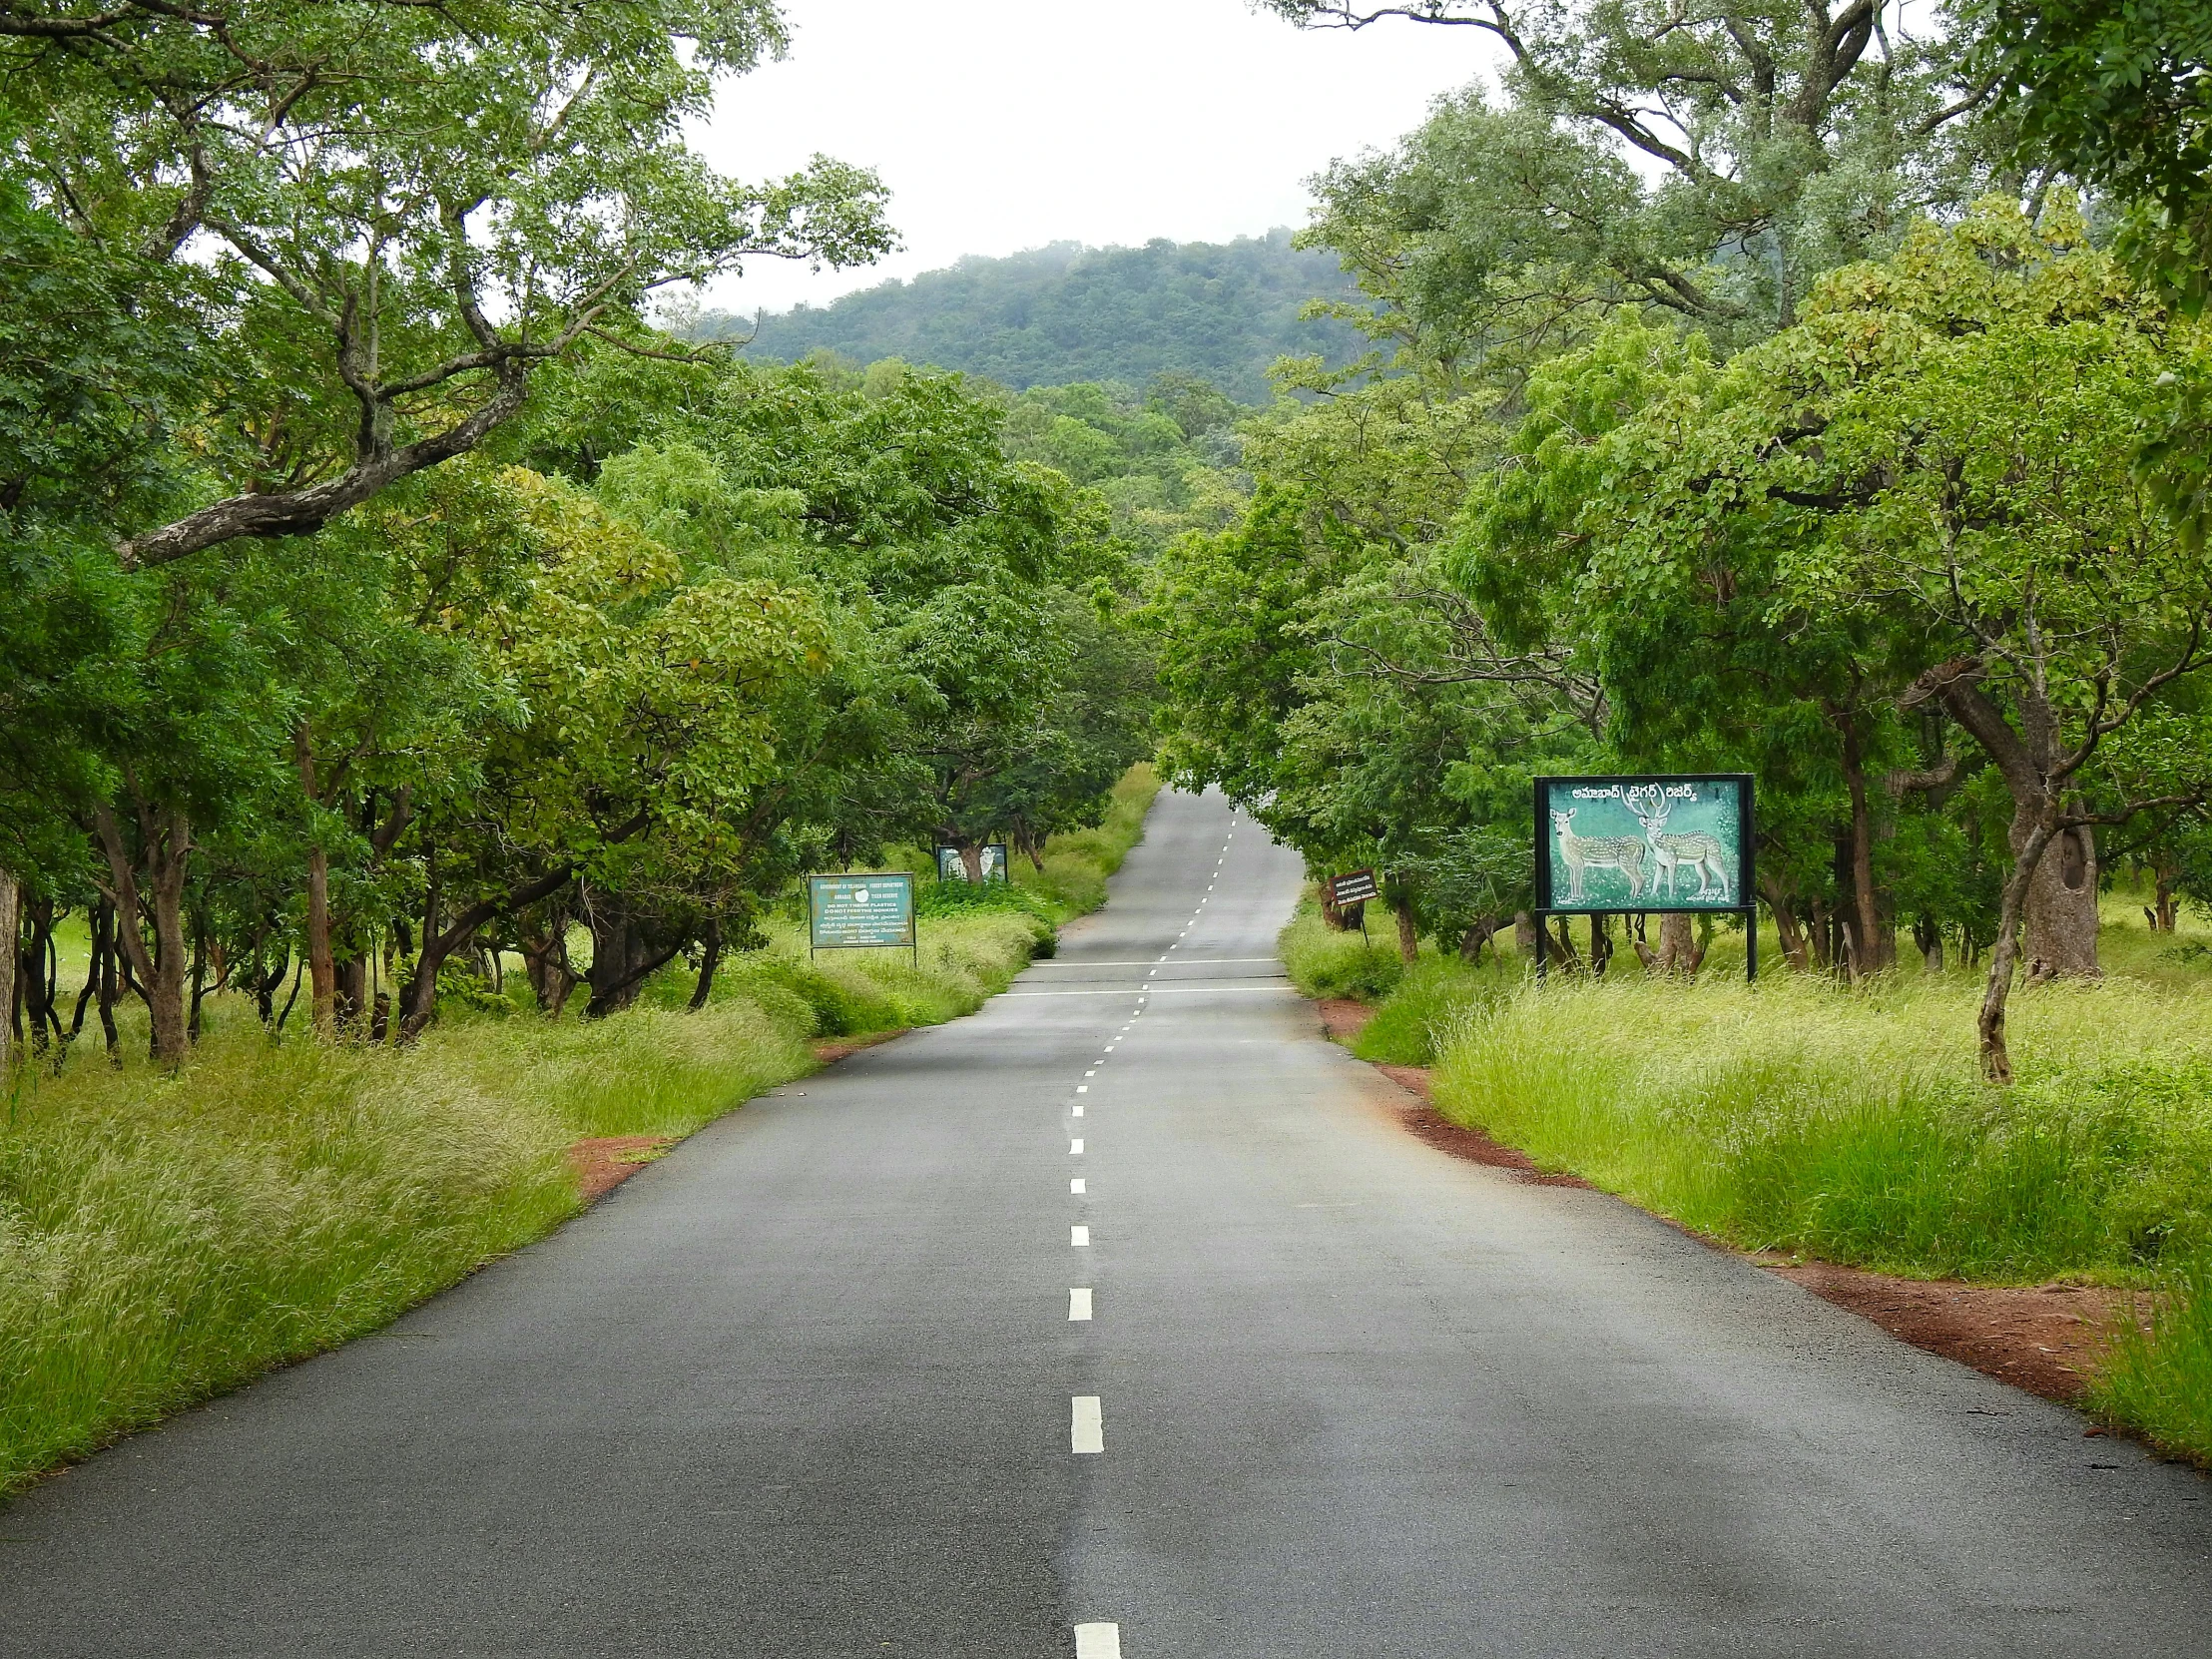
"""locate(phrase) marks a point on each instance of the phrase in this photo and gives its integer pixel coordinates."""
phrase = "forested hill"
(1065, 313)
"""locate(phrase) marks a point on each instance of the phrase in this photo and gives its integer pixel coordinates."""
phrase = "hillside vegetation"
(1222, 312)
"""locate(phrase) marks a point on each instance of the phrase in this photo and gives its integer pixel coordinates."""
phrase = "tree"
(512, 181)
(966, 572)
(645, 723)
(1945, 442)
(2115, 95)
(1784, 140)
(1711, 658)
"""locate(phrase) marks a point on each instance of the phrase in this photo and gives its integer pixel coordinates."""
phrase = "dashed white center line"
(1078, 1111)
(1079, 1304)
(1098, 1641)
(1079, 1238)
(1082, 1088)
(1086, 1427)
(1093, 1072)
(1076, 1187)
(1075, 1149)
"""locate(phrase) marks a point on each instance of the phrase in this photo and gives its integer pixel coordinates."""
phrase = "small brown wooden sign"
(1354, 886)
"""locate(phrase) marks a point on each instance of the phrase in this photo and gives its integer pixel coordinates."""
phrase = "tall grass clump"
(1325, 962)
(654, 1070)
(2160, 1382)
(164, 1239)
(1434, 1000)
(1854, 1125)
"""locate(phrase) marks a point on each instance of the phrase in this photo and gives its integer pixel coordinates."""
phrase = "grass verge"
(165, 1239)
(1851, 1124)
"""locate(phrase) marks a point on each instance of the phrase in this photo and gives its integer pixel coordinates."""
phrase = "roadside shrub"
(1323, 962)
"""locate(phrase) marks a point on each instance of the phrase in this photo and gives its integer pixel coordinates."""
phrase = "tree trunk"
(1525, 933)
(971, 860)
(1875, 945)
(2061, 913)
(1928, 933)
(323, 995)
(1409, 930)
(1997, 1059)
(198, 979)
(710, 958)
(2166, 878)
(1679, 951)
(285, 1012)
(418, 998)
(11, 900)
(1786, 928)
(1601, 943)
(350, 983)
(623, 955)
(1481, 931)
(268, 984)
(545, 961)
(166, 853)
(1569, 957)
(100, 978)
(38, 971)
(2056, 866)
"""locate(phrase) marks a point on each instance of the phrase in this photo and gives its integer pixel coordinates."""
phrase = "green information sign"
(859, 912)
(1647, 844)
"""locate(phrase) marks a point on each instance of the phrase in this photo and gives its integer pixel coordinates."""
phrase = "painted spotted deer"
(1582, 852)
(1693, 851)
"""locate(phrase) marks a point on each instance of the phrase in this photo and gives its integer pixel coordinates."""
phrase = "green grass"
(164, 1239)
(1323, 962)
(1852, 1123)
(2161, 1384)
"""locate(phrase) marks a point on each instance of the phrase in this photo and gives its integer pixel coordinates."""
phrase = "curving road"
(819, 1384)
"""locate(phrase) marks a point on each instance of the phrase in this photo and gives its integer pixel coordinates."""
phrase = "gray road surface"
(809, 1386)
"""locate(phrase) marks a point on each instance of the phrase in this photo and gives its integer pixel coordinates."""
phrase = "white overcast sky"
(1001, 125)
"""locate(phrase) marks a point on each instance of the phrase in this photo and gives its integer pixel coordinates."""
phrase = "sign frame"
(1746, 851)
(901, 878)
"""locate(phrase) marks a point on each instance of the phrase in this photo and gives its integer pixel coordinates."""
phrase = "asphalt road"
(811, 1386)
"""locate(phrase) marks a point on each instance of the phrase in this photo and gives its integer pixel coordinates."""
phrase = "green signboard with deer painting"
(1644, 843)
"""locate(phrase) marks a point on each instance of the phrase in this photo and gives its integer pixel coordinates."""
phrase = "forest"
(355, 632)
(421, 625)
(1219, 312)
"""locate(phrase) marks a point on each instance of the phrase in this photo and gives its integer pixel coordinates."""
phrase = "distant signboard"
(952, 867)
(854, 912)
(1352, 888)
(1646, 844)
